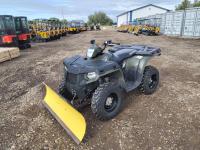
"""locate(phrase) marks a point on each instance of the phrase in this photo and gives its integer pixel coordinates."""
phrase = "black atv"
(100, 79)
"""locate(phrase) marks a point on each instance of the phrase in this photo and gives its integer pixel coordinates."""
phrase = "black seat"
(119, 56)
(122, 52)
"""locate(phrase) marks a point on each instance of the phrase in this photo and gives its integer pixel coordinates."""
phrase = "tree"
(99, 18)
(64, 21)
(197, 4)
(53, 18)
(185, 4)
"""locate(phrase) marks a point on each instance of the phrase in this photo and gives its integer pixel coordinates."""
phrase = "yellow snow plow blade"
(70, 119)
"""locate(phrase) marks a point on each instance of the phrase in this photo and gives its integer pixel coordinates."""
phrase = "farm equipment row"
(19, 32)
(45, 30)
(52, 29)
(140, 27)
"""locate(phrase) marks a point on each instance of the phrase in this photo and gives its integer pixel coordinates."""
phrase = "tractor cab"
(7, 31)
(22, 31)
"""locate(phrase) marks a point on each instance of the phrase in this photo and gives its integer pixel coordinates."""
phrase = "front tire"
(107, 101)
(150, 80)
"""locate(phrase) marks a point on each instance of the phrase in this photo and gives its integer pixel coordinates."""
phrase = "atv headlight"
(92, 75)
(90, 52)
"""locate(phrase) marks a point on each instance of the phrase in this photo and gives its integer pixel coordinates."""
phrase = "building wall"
(147, 11)
(123, 19)
(128, 16)
(143, 12)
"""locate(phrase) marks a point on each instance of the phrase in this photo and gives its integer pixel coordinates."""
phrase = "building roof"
(143, 7)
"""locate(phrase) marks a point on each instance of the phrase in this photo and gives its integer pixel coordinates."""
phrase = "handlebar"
(105, 44)
(109, 43)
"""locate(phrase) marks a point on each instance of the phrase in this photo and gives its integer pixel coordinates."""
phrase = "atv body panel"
(76, 69)
(136, 58)
(80, 65)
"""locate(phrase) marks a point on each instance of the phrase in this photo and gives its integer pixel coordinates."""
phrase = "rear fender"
(143, 60)
(137, 64)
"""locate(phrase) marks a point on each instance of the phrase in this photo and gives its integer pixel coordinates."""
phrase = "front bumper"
(77, 86)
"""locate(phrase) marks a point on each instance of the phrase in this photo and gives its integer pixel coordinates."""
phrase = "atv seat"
(122, 52)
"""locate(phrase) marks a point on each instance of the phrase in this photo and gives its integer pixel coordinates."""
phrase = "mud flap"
(69, 118)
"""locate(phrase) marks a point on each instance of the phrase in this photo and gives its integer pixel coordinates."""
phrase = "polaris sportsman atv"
(101, 78)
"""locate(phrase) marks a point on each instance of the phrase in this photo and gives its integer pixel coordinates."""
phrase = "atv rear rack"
(137, 50)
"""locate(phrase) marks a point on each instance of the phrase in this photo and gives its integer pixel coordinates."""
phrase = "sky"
(75, 9)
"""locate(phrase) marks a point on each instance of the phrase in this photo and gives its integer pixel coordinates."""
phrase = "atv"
(101, 78)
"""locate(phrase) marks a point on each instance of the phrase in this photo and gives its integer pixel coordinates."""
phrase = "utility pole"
(62, 13)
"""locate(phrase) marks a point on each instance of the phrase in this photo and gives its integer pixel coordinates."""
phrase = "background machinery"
(22, 31)
(45, 30)
(8, 35)
(151, 27)
(39, 30)
(141, 26)
(73, 27)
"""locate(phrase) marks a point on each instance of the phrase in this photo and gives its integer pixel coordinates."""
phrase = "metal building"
(144, 11)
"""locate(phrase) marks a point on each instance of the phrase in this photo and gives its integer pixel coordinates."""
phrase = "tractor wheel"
(107, 101)
(150, 80)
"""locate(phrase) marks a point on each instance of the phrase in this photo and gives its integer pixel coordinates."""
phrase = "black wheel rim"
(111, 102)
(153, 81)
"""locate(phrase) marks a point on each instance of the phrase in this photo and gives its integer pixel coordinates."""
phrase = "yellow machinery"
(150, 30)
(32, 29)
(52, 33)
(46, 30)
(40, 30)
(36, 29)
(138, 29)
(123, 28)
(52, 29)
(72, 28)
(77, 26)
(157, 30)
(63, 29)
(56, 27)
(131, 28)
(70, 119)
(150, 26)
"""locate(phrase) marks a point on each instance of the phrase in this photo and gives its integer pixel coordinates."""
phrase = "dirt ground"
(168, 119)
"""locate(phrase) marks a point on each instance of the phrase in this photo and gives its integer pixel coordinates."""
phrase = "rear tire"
(150, 80)
(107, 101)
